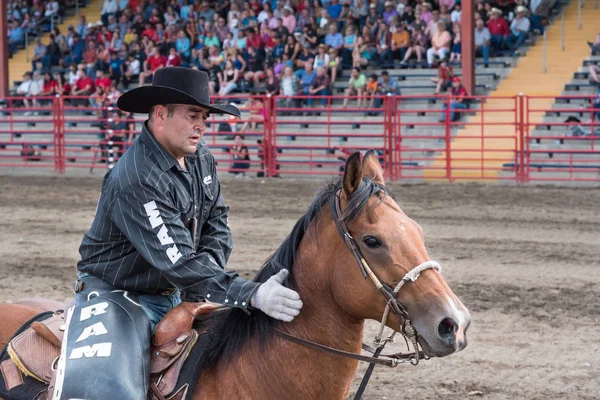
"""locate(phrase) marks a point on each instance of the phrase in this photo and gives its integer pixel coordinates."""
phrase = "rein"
(391, 295)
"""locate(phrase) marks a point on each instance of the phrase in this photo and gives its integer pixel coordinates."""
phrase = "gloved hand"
(276, 300)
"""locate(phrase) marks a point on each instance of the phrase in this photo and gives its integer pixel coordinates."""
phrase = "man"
(160, 235)
(457, 99)
(151, 65)
(498, 28)
(16, 38)
(400, 42)
(482, 40)
(519, 28)
(320, 87)
(84, 86)
(334, 38)
(24, 90)
(387, 85)
(356, 86)
(39, 52)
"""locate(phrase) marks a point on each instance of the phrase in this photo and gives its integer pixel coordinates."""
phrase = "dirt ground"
(524, 260)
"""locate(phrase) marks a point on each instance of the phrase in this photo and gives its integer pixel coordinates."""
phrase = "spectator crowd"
(288, 48)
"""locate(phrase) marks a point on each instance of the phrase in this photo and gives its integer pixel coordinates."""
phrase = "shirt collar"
(164, 159)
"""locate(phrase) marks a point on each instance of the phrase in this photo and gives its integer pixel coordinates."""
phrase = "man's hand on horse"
(276, 300)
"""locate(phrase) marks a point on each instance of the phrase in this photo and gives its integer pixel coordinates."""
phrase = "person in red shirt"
(149, 31)
(173, 59)
(153, 63)
(90, 56)
(254, 40)
(444, 76)
(457, 99)
(84, 86)
(50, 87)
(498, 28)
(102, 80)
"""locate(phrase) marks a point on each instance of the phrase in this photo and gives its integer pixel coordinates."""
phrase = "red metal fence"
(515, 138)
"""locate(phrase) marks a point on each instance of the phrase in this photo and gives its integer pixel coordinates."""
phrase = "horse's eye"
(371, 242)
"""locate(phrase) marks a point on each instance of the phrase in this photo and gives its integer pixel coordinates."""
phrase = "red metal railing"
(519, 138)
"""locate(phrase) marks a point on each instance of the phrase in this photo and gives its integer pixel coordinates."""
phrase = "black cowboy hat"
(174, 85)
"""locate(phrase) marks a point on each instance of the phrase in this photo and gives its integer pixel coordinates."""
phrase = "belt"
(94, 283)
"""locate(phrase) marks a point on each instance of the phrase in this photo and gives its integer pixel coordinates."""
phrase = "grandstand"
(482, 143)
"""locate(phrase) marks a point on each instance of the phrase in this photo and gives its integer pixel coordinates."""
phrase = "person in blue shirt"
(76, 51)
(278, 49)
(334, 9)
(183, 46)
(115, 66)
(307, 79)
(16, 38)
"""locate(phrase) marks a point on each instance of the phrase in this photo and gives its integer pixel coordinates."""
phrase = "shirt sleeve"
(154, 227)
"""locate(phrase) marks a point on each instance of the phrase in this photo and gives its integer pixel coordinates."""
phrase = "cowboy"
(160, 235)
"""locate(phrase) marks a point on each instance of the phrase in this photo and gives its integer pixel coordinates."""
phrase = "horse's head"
(392, 244)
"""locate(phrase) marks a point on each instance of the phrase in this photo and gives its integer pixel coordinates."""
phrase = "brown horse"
(246, 360)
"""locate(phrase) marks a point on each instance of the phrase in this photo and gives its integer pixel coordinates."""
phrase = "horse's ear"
(352, 174)
(371, 167)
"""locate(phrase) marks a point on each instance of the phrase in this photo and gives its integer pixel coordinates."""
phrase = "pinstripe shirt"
(141, 238)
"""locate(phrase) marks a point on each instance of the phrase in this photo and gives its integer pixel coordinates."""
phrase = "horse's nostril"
(447, 330)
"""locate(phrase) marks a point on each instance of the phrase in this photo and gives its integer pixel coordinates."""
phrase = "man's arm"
(154, 227)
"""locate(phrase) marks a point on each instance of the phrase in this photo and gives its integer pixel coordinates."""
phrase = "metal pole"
(27, 46)
(544, 56)
(4, 85)
(562, 30)
(77, 8)
(579, 14)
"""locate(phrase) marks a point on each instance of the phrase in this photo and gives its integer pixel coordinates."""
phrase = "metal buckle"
(78, 286)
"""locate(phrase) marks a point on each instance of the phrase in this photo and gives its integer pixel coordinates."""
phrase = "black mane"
(232, 328)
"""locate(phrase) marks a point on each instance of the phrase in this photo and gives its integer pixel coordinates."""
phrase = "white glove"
(276, 300)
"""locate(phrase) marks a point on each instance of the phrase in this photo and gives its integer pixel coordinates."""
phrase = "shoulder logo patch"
(207, 180)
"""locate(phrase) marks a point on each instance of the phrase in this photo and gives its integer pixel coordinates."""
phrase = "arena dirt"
(524, 260)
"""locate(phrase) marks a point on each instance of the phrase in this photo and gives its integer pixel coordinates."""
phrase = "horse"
(246, 357)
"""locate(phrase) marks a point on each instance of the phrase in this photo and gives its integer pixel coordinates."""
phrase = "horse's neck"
(282, 369)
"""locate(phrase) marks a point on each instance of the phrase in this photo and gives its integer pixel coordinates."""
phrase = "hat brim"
(143, 98)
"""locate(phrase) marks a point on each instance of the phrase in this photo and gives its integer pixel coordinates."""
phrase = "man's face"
(182, 132)
(479, 24)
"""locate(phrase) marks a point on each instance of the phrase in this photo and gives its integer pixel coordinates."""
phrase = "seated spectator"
(288, 87)
(575, 129)
(322, 58)
(372, 89)
(271, 83)
(498, 28)
(214, 77)
(39, 55)
(240, 157)
(356, 87)
(98, 101)
(173, 59)
(257, 114)
(445, 15)
(400, 43)
(444, 77)
(440, 44)
(84, 87)
(320, 87)
(361, 55)
(335, 65)
(390, 12)
(426, 13)
(254, 66)
(133, 68)
(151, 65)
(386, 85)
(456, 49)
(519, 28)
(456, 14)
(50, 87)
(482, 41)
(24, 90)
(110, 7)
(102, 81)
(418, 42)
(229, 79)
(307, 78)
(349, 45)
(63, 86)
(115, 67)
(334, 39)
(457, 100)
(383, 43)
(16, 38)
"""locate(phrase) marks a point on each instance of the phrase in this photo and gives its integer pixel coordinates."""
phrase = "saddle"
(35, 351)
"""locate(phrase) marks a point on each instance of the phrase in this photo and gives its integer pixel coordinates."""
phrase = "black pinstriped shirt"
(141, 238)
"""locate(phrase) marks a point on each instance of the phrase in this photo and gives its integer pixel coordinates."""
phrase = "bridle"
(392, 304)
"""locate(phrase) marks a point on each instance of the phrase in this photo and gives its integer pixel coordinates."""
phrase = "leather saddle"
(36, 350)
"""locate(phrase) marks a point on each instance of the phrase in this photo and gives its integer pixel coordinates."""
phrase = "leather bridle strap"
(392, 359)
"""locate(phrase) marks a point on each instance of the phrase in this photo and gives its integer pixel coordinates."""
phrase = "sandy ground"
(524, 260)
